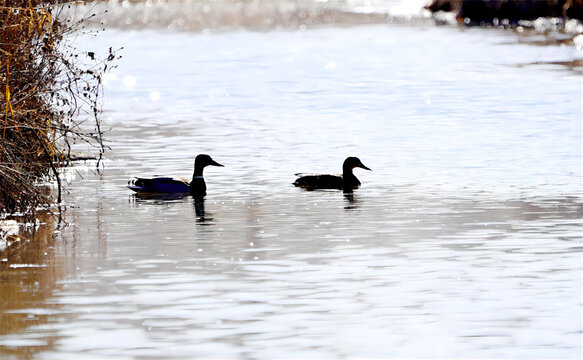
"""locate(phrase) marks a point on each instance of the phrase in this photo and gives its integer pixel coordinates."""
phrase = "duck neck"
(197, 185)
(197, 172)
(347, 172)
(348, 177)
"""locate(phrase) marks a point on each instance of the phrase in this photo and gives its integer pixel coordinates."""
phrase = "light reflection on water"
(464, 240)
(469, 276)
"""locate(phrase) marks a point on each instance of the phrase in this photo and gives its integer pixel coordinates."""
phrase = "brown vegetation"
(46, 93)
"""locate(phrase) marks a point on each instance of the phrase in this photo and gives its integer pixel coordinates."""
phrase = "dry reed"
(48, 96)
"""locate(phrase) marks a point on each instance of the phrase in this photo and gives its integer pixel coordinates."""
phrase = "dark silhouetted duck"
(175, 185)
(347, 181)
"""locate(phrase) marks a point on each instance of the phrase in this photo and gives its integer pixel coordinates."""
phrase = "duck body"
(324, 181)
(159, 185)
(175, 185)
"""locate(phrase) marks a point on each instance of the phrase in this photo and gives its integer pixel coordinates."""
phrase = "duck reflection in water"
(352, 201)
(202, 217)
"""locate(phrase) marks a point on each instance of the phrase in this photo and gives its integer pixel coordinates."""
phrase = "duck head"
(202, 161)
(351, 163)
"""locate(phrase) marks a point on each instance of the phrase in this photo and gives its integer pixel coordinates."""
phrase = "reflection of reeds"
(45, 95)
(29, 276)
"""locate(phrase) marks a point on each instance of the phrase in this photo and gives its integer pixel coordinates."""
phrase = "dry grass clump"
(46, 94)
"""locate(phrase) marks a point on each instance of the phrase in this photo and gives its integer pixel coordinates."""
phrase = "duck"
(345, 182)
(175, 185)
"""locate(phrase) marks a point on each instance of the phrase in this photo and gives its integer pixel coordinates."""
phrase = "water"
(464, 240)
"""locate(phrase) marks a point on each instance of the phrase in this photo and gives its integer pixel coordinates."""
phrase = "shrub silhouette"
(49, 98)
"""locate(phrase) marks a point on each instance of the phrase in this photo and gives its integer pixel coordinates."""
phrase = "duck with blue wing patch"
(175, 185)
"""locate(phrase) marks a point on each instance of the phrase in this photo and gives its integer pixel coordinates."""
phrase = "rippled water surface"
(463, 242)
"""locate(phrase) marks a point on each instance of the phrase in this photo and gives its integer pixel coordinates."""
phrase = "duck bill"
(364, 167)
(214, 163)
